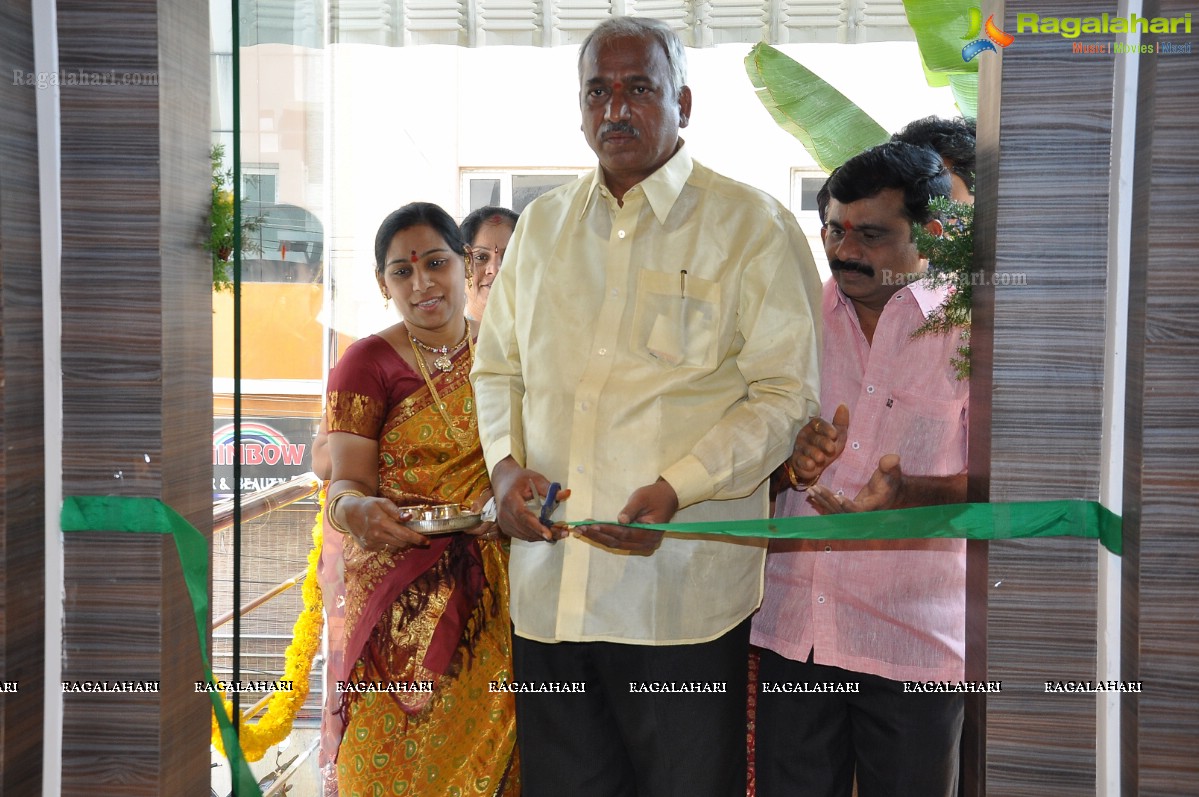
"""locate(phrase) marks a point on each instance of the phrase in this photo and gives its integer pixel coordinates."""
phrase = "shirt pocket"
(926, 432)
(676, 319)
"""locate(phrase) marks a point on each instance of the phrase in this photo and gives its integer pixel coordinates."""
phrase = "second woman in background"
(487, 231)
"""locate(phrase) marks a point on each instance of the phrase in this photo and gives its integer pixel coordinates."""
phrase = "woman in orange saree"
(426, 618)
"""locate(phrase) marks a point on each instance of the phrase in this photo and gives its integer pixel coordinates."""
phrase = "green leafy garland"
(950, 264)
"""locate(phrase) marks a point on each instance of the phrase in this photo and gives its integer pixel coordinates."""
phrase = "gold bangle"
(332, 508)
(796, 484)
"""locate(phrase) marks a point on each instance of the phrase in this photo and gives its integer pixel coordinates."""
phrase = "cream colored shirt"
(670, 336)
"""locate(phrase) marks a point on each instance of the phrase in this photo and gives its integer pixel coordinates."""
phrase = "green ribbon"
(152, 516)
(1005, 521)
(1002, 521)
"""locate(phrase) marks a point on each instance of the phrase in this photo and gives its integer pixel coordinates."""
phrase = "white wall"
(402, 122)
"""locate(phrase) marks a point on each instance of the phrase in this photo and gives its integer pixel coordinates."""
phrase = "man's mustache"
(618, 127)
(851, 265)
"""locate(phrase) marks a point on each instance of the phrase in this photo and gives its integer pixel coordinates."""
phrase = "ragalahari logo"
(978, 44)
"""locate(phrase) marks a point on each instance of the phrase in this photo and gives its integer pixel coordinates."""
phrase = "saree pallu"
(426, 630)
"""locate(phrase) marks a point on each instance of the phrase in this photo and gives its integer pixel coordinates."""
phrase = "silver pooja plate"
(441, 518)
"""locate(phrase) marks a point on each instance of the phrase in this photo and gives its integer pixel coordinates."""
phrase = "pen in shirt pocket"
(683, 308)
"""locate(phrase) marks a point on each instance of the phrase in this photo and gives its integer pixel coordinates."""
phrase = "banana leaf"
(828, 124)
(965, 93)
(942, 28)
(963, 85)
(831, 127)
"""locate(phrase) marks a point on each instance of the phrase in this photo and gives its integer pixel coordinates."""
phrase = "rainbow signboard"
(272, 450)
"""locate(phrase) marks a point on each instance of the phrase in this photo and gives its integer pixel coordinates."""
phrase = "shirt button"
(869, 388)
(820, 599)
(602, 352)
(579, 468)
(856, 445)
(584, 406)
(615, 292)
(840, 493)
(620, 234)
(828, 549)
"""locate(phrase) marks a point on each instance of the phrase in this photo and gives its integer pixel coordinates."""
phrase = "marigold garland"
(275, 724)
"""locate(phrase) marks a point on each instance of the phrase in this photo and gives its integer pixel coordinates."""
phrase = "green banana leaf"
(829, 125)
(965, 93)
(942, 28)
(963, 85)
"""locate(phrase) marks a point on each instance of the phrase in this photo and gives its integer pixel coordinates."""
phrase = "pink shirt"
(893, 608)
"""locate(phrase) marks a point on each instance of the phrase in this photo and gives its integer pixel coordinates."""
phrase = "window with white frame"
(511, 188)
(260, 182)
(805, 184)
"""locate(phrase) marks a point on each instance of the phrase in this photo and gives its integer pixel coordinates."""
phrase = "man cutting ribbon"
(649, 344)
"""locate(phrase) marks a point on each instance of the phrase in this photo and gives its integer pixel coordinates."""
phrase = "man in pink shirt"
(845, 623)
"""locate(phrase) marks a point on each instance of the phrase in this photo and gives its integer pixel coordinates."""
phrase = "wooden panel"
(186, 319)
(113, 634)
(136, 382)
(22, 483)
(974, 744)
(1046, 377)
(1160, 727)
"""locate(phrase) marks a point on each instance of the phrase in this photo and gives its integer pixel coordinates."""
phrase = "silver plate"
(441, 518)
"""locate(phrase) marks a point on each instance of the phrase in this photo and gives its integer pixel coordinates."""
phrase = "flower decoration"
(275, 724)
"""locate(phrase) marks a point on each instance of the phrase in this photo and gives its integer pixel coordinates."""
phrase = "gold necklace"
(443, 362)
(461, 436)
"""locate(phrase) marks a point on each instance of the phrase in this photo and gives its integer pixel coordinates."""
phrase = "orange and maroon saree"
(426, 630)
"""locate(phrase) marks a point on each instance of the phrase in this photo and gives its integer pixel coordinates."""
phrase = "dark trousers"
(810, 744)
(618, 740)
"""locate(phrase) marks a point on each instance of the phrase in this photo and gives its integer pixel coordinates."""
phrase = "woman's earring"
(470, 272)
(386, 298)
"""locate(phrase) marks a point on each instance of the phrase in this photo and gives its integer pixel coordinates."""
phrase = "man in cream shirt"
(649, 344)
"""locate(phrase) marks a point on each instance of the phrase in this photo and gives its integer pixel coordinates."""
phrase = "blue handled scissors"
(551, 503)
